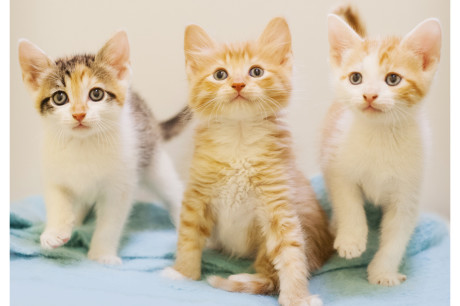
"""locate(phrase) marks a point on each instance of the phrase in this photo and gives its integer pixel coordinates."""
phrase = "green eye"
(220, 74)
(96, 94)
(256, 72)
(392, 79)
(60, 98)
(356, 78)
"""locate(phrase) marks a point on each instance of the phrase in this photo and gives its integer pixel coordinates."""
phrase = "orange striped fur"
(245, 195)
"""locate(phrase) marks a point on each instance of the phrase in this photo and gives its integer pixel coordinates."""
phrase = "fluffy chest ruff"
(234, 205)
(91, 166)
(384, 161)
(236, 148)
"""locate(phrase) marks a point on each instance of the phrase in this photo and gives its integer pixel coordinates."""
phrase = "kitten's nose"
(79, 117)
(370, 97)
(238, 86)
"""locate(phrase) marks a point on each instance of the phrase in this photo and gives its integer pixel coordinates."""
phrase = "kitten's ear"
(425, 39)
(33, 63)
(341, 37)
(196, 42)
(115, 53)
(276, 39)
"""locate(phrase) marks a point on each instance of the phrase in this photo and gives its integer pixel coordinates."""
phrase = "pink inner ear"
(425, 40)
(33, 62)
(341, 37)
(116, 53)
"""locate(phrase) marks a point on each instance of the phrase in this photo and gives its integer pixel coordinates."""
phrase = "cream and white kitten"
(101, 140)
(373, 138)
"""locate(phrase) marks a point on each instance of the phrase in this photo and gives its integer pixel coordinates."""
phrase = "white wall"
(155, 29)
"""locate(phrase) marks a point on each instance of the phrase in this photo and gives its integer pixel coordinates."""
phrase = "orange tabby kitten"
(245, 193)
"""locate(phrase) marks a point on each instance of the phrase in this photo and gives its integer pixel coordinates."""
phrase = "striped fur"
(245, 195)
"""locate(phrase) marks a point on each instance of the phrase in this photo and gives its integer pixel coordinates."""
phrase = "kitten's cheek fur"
(171, 273)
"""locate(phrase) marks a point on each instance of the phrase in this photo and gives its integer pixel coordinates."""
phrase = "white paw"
(171, 273)
(350, 246)
(314, 300)
(52, 238)
(105, 259)
(288, 300)
(386, 279)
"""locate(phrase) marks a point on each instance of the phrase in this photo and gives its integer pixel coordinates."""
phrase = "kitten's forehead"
(386, 53)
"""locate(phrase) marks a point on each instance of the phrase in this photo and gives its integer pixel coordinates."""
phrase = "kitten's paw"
(350, 247)
(288, 300)
(105, 259)
(386, 279)
(52, 238)
(314, 300)
(171, 273)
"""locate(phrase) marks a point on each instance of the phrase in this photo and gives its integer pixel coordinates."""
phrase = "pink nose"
(370, 97)
(238, 86)
(79, 117)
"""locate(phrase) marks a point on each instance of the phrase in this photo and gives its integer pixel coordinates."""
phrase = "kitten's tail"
(247, 283)
(350, 14)
(175, 125)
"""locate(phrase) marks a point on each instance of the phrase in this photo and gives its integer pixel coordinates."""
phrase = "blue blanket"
(65, 276)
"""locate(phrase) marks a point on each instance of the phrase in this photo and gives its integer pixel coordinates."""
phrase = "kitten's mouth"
(80, 127)
(371, 109)
(238, 96)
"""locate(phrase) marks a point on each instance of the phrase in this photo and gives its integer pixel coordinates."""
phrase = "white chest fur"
(383, 160)
(89, 166)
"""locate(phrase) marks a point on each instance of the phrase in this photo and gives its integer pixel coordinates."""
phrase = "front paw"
(288, 300)
(171, 273)
(105, 259)
(350, 245)
(383, 277)
(53, 238)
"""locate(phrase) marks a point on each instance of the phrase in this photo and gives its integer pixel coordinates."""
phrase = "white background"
(156, 28)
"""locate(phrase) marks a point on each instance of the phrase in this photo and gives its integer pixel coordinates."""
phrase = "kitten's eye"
(96, 94)
(393, 79)
(256, 72)
(60, 98)
(220, 74)
(356, 78)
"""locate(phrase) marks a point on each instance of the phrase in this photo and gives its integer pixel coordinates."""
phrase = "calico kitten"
(373, 138)
(245, 192)
(100, 140)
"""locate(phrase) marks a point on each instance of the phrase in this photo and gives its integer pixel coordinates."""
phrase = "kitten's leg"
(349, 217)
(163, 178)
(285, 243)
(398, 222)
(60, 218)
(111, 214)
(81, 211)
(195, 226)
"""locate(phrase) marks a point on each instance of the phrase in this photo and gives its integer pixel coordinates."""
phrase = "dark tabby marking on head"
(68, 64)
(111, 95)
(175, 125)
(46, 106)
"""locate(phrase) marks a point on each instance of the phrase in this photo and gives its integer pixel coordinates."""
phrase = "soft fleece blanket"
(65, 276)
